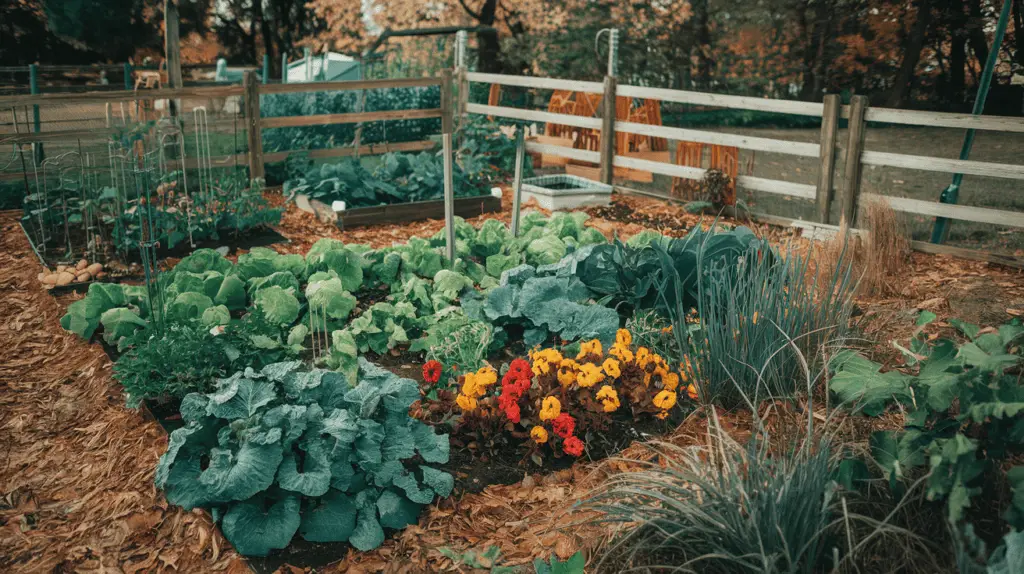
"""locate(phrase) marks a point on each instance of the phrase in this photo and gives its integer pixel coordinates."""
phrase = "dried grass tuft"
(880, 252)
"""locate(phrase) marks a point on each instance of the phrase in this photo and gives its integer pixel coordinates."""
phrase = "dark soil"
(622, 213)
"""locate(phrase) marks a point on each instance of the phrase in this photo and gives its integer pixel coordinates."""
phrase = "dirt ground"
(76, 485)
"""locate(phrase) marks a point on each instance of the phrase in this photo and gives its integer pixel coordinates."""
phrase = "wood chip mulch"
(77, 477)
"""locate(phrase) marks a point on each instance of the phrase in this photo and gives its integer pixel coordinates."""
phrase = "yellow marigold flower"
(469, 386)
(621, 353)
(486, 377)
(566, 376)
(611, 368)
(551, 355)
(691, 391)
(550, 408)
(569, 364)
(665, 400)
(539, 434)
(754, 318)
(541, 367)
(643, 356)
(589, 375)
(465, 402)
(666, 330)
(623, 338)
(662, 415)
(669, 380)
(609, 398)
(589, 348)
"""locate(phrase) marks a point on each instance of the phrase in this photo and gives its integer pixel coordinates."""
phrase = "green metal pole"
(33, 87)
(284, 68)
(128, 76)
(266, 68)
(949, 195)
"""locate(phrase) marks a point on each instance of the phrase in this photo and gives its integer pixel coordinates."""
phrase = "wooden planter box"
(417, 210)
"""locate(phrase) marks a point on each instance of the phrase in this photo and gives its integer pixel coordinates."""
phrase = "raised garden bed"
(465, 207)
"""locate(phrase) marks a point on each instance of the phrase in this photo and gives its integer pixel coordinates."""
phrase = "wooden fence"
(249, 93)
(858, 114)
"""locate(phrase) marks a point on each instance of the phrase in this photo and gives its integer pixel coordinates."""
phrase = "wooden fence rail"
(858, 114)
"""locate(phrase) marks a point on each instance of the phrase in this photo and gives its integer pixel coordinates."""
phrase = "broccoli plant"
(284, 451)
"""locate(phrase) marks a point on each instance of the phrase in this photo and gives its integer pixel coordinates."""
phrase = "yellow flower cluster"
(664, 400)
(589, 375)
(568, 369)
(474, 386)
(543, 361)
(550, 408)
(590, 348)
(609, 399)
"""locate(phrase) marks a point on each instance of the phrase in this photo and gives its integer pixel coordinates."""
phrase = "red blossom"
(432, 371)
(564, 425)
(512, 412)
(573, 445)
(519, 369)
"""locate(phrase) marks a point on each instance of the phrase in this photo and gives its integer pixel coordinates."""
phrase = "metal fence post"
(608, 129)
(266, 68)
(33, 87)
(284, 68)
(449, 199)
(128, 76)
(826, 173)
(854, 148)
(517, 182)
(252, 122)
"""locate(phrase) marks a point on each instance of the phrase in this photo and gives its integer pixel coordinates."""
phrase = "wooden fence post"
(854, 148)
(253, 127)
(826, 177)
(446, 101)
(608, 129)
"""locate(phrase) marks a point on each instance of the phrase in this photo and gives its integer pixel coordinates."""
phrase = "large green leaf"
(118, 323)
(254, 530)
(331, 518)
(858, 383)
(188, 307)
(397, 511)
(238, 475)
(315, 476)
(238, 397)
(231, 293)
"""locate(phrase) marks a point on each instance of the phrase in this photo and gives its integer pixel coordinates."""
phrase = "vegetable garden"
(697, 393)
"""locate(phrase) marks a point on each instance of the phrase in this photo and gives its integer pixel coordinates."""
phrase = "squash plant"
(965, 412)
(285, 450)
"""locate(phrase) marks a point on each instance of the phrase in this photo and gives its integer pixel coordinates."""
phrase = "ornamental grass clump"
(554, 401)
(756, 322)
(722, 508)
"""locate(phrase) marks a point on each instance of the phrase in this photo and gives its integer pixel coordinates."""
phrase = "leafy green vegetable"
(300, 451)
(279, 306)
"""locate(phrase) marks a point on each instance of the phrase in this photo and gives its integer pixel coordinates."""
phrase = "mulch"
(77, 479)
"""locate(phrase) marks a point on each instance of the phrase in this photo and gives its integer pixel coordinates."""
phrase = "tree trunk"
(976, 33)
(266, 32)
(957, 65)
(911, 55)
(702, 35)
(488, 49)
(814, 67)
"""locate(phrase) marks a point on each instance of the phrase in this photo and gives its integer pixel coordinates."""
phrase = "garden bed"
(466, 207)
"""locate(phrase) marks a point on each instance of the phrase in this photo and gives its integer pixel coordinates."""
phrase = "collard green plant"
(965, 415)
(284, 451)
(542, 306)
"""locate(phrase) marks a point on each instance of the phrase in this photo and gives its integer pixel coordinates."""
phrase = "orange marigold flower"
(691, 391)
(669, 381)
(662, 415)
(539, 434)
(621, 353)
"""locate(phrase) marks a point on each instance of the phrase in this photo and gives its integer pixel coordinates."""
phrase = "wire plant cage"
(153, 189)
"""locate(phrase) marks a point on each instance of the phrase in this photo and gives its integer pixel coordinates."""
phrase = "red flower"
(432, 372)
(573, 445)
(512, 412)
(507, 398)
(519, 369)
(564, 425)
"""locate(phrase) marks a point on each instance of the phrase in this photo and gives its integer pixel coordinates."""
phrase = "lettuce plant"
(284, 451)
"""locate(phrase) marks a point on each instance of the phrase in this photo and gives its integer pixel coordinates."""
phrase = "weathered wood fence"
(858, 114)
